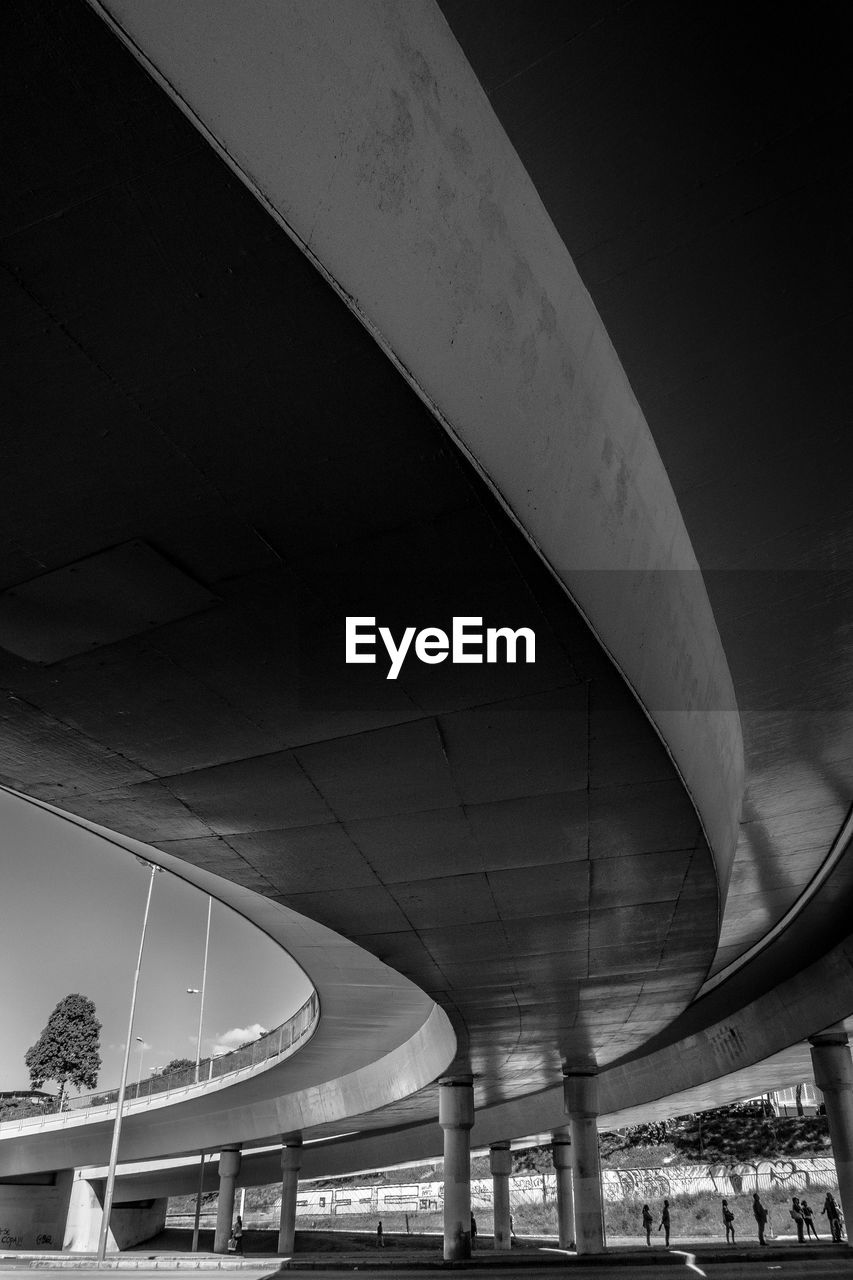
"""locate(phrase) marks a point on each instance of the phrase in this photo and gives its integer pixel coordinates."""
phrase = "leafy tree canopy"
(68, 1049)
(177, 1065)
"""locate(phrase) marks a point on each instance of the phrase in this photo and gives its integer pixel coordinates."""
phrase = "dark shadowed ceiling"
(208, 464)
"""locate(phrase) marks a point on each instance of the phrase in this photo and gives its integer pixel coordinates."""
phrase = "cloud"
(230, 1040)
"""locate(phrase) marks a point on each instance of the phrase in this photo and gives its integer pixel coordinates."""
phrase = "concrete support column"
(229, 1167)
(833, 1074)
(581, 1094)
(456, 1117)
(291, 1163)
(561, 1153)
(500, 1164)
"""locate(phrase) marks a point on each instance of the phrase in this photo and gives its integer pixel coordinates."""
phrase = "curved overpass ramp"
(321, 350)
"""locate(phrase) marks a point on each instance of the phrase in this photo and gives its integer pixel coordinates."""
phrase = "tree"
(176, 1066)
(68, 1049)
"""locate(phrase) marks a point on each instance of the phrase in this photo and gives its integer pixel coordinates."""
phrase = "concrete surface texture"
(386, 310)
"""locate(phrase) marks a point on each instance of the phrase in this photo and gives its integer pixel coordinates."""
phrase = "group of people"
(663, 1225)
(803, 1216)
(801, 1213)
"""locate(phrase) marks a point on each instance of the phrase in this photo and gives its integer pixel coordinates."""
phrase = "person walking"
(796, 1213)
(760, 1214)
(808, 1219)
(728, 1222)
(473, 1231)
(647, 1223)
(380, 1238)
(238, 1235)
(664, 1222)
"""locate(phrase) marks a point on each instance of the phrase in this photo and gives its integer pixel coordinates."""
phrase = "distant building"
(810, 1099)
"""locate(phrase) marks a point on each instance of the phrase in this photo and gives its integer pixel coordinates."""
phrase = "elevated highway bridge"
(531, 314)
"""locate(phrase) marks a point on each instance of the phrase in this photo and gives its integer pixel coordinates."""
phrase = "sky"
(71, 912)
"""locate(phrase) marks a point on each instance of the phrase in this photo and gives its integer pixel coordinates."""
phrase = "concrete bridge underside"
(295, 341)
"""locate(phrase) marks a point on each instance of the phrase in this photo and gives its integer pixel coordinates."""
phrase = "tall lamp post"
(111, 1174)
(194, 991)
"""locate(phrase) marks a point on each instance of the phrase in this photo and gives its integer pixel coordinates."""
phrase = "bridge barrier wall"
(33, 1213)
(278, 1043)
(65, 1212)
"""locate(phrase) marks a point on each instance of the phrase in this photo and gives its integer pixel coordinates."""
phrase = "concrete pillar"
(581, 1094)
(291, 1163)
(500, 1164)
(84, 1216)
(229, 1167)
(561, 1153)
(456, 1117)
(833, 1074)
(130, 1224)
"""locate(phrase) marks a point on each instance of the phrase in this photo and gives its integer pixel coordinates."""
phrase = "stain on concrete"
(460, 148)
(492, 218)
(529, 358)
(621, 500)
(386, 153)
(547, 316)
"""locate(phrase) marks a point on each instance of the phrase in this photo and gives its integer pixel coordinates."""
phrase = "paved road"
(796, 1269)
(835, 1268)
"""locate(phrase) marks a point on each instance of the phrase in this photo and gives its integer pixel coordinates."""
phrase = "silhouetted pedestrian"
(664, 1222)
(760, 1215)
(473, 1230)
(647, 1223)
(833, 1216)
(728, 1222)
(238, 1235)
(808, 1219)
(796, 1213)
(380, 1239)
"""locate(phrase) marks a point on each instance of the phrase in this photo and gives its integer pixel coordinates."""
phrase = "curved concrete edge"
(737, 1056)
(379, 1040)
(762, 1046)
(406, 194)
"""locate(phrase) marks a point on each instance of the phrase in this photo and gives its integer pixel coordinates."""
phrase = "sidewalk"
(398, 1256)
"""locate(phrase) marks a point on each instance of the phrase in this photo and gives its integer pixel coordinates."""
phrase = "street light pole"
(203, 985)
(194, 991)
(198, 1199)
(111, 1174)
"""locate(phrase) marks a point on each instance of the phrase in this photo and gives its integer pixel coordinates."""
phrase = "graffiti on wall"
(738, 1178)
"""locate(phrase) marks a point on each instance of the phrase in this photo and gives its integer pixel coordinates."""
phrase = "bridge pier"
(456, 1117)
(833, 1073)
(500, 1165)
(131, 1222)
(581, 1096)
(229, 1167)
(561, 1153)
(291, 1163)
